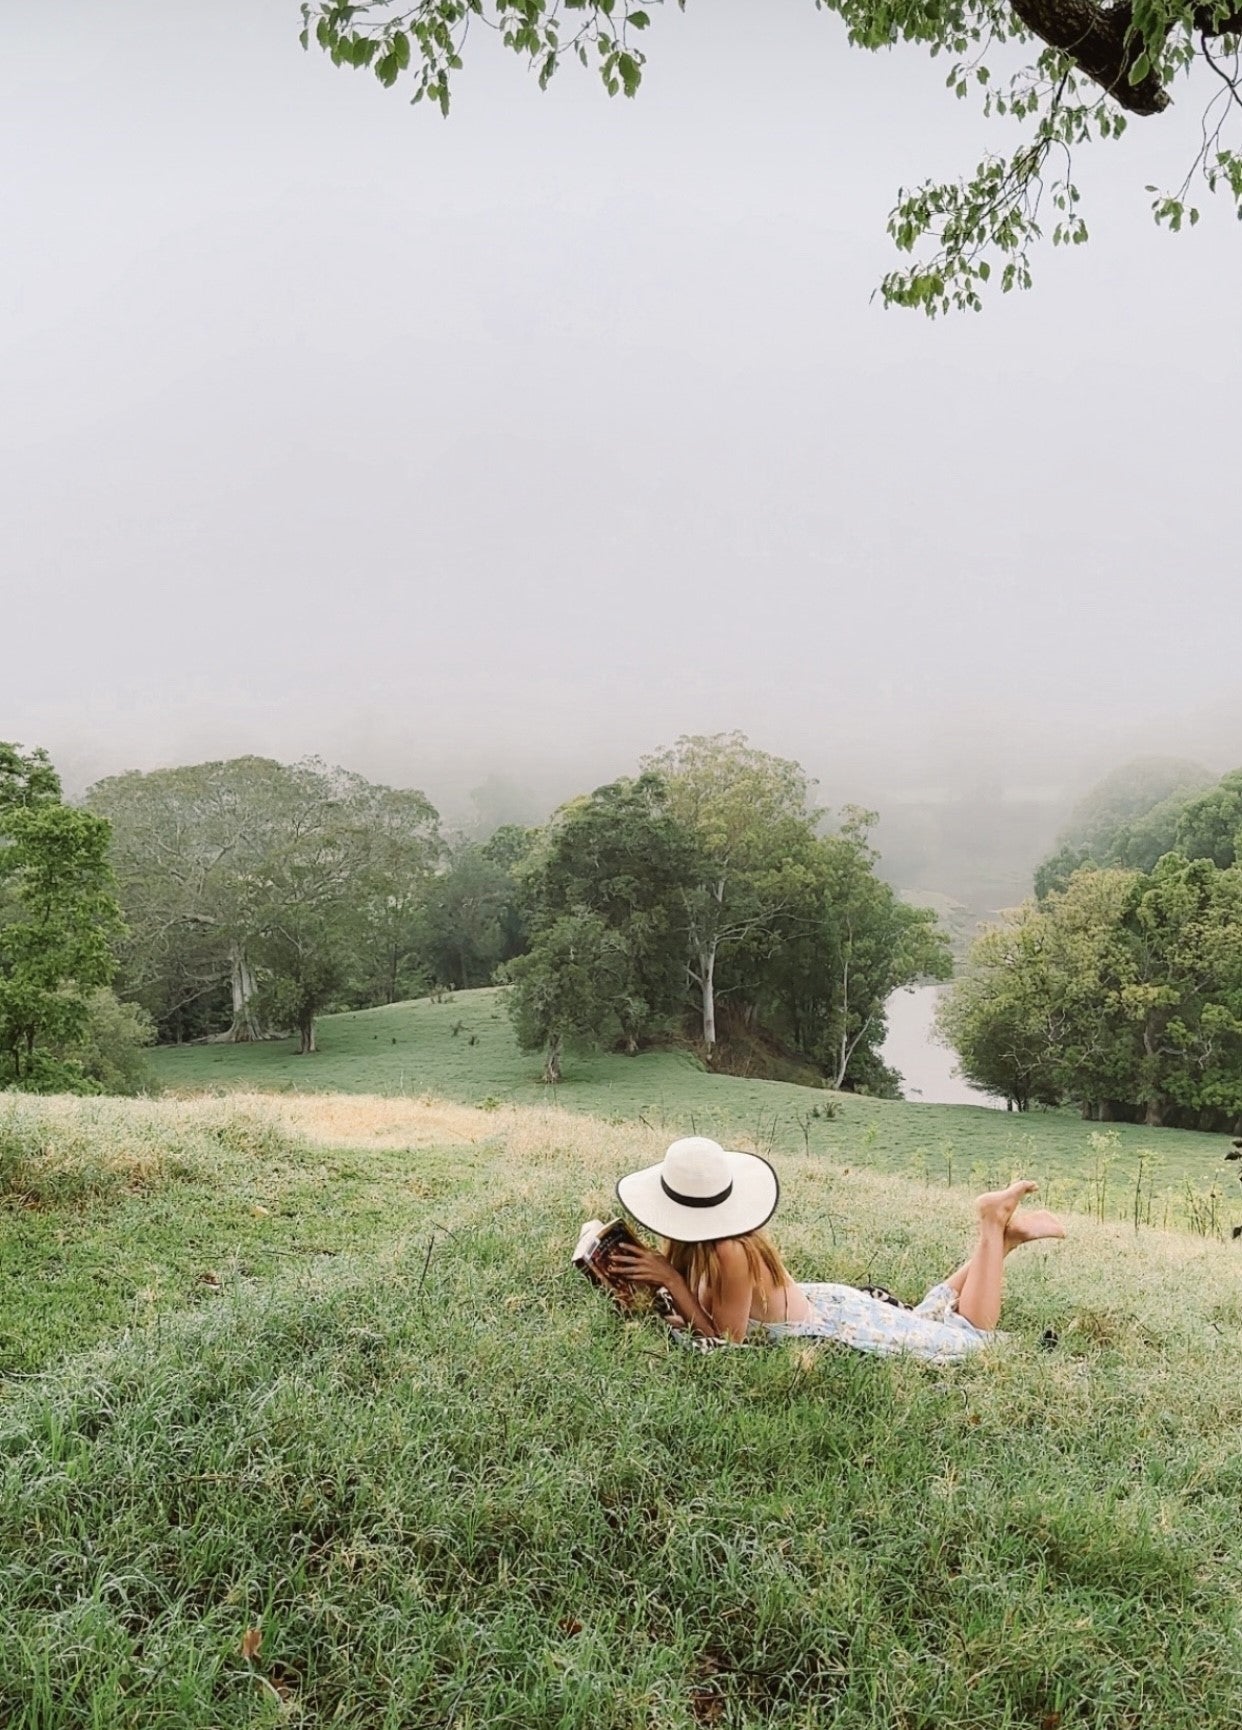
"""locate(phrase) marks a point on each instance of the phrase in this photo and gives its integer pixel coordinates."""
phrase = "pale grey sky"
(528, 440)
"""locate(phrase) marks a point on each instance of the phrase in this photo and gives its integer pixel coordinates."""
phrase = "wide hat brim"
(751, 1202)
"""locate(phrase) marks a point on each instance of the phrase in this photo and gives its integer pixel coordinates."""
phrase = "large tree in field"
(398, 849)
(272, 877)
(621, 856)
(58, 919)
(190, 848)
(346, 856)
(1033, 1016)
(749, 816)
(1067, 71)
(1183, 1005)
(568, 990)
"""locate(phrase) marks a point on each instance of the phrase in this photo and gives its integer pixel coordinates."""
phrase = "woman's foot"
(1029, 1224)
(998, 1206)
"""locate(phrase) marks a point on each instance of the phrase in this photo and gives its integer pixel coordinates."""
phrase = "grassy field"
(463, 1049)
(316, 1428)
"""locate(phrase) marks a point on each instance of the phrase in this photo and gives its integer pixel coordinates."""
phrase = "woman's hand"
(640, 1266)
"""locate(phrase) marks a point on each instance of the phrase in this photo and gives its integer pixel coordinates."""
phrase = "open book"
(596, 1242)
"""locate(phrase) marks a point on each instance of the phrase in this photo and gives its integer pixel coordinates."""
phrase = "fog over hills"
(520, 444)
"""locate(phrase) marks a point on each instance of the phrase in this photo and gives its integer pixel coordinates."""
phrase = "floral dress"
(933, 1330)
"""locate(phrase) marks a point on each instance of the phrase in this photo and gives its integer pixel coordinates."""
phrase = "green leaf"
(631, 76)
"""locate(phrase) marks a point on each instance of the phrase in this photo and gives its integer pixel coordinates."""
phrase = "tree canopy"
(58, 922)
(1140, 812)
(751, 824)
(608, 886)
(1122, 992)
(700, 898)
(852, 945)
(274, 879)
(1068, 72)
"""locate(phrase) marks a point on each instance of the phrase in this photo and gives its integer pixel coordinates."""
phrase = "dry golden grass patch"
(372, 1120)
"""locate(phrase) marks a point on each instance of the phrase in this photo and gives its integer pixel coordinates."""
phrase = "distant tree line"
(1145, 809)
(1119, 986)
(705, 899)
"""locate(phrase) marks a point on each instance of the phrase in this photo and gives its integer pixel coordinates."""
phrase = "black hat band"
(697, 1200)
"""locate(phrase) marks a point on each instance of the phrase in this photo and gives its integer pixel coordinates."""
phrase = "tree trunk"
(1155, 1101)
(306, 1036)
(1087, 1110)
(707, 976)
(246, 1025)
(552, 1062)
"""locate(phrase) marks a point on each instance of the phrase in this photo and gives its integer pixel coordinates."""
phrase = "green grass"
(410, 1049)
(451, 1489)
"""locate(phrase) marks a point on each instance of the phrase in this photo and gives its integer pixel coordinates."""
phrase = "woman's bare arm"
(730, 1309)
(731, 1304)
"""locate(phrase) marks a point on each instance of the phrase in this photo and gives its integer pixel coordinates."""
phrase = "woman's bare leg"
(1028, 1225)
(978, 1283)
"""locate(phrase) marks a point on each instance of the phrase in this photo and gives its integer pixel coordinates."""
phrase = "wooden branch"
(1098, 41)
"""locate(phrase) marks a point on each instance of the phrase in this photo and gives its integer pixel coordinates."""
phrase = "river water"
(926, 1069)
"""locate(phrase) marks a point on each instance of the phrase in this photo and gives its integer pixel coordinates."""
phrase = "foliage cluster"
(1085, 66)
(280, 883)
(1141, 811)
(709, 869)
(1122, 992)
(59, 1029)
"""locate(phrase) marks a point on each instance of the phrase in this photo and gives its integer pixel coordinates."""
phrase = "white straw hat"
(700, 1192)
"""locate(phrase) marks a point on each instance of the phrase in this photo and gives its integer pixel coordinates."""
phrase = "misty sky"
(528, 440)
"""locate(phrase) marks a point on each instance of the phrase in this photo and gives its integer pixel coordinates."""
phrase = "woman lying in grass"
(726, 1278)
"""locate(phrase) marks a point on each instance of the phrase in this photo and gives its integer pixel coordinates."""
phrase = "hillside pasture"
(462, 1049)
(395, 1466)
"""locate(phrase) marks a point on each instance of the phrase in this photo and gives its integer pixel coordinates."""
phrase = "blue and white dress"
(933, 1330)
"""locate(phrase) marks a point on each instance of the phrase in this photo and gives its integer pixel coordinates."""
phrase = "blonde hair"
(699, 1263)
